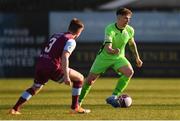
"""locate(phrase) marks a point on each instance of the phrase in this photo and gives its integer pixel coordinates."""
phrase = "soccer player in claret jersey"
(53, 63)
(112, 55)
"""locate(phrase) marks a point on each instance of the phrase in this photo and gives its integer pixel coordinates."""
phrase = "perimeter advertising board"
(160, 59)
(21, 36)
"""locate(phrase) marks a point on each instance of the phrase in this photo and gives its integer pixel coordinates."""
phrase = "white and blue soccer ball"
(124, 101)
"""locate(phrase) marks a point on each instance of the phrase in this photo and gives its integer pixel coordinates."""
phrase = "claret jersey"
(57, 43)
(49, 64)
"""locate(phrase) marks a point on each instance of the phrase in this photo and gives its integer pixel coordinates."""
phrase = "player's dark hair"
(123, 11)
(75, 25)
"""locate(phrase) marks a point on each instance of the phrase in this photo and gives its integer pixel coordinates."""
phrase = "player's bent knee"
(81, 78)
(91, 81)
(92, 78)
(129, 73)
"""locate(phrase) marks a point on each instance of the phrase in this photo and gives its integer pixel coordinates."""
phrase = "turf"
(153, 99)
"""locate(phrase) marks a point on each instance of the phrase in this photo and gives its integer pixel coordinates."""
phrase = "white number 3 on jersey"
(49, 46)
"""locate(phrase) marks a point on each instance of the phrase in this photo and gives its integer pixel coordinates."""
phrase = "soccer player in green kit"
(112, 55)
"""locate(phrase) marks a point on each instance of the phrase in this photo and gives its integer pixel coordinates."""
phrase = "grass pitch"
(153, 99)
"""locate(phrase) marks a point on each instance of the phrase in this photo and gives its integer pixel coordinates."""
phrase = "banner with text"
(21, 36)
(159, 59)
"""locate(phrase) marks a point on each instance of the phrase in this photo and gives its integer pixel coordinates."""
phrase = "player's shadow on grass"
(93, 106)
(55, 106)
(157, 106)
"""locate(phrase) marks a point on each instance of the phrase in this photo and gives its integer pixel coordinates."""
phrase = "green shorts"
(100, 64)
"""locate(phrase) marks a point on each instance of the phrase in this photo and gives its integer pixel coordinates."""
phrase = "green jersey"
(118, 38)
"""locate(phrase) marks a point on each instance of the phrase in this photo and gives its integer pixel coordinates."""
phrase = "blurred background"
(26, 24)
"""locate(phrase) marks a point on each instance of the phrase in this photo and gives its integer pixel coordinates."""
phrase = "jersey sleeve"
(70, 45)
(108, 35)
(131, 32)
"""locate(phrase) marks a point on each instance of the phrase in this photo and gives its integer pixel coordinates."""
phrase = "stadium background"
(25, 25)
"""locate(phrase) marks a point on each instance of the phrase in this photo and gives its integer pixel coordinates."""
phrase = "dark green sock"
(85, 90)
(121, 85)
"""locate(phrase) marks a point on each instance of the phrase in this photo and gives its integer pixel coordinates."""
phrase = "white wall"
(149, 26)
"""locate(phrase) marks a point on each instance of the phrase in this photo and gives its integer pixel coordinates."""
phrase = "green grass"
(153, 99)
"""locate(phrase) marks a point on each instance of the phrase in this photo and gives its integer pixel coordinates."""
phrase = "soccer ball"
(124, 101)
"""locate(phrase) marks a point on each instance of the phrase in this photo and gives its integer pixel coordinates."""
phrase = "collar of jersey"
(118, 28)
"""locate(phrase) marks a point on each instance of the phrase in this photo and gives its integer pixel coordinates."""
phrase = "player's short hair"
(123, 11)
(75, 25)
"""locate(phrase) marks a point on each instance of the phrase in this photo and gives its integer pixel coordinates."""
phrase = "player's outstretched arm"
(65, 65)
(133, 48)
